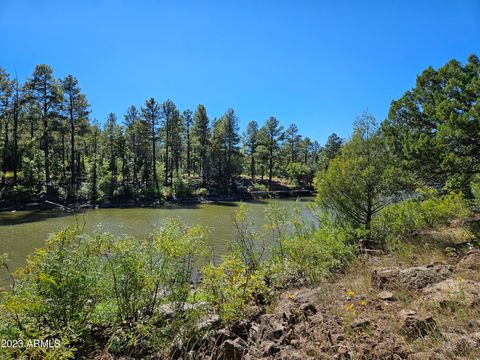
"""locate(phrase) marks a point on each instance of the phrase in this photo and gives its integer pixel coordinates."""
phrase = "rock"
(232, 350)
(170, 310)
(386, 295)
(241, 329)
(412, 278)
(270, 348)
(415, 326)
(406, 313)
(208, 322)
(217, 338)
(471, 260)
(308, 309)
(452, 292)
(271, 327)
(360, 324)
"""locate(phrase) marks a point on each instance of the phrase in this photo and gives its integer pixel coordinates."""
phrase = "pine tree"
(151, 113)
(172, 141)
(251, 142)
(188, 121)
(75, 106)
(201, 133)
(45, 95)
(271, 134)
(6, 90)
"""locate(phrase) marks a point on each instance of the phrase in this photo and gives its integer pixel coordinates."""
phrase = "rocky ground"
(423, 304)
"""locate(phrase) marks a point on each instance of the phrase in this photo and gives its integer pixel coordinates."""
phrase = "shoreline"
(78, 206)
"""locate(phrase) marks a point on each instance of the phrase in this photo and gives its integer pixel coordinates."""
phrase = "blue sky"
(316, 63)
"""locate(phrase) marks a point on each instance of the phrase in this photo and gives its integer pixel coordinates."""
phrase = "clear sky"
(316, 63)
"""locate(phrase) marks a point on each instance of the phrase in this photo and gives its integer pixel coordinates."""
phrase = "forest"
(52, 148)
(384, 263)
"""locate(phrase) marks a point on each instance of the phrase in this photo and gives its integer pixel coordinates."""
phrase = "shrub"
(181, 188)
(84, 192)
(231, 287)
(166, 192)
(202, 192)
(108, 184)
(249, 245)
(18, 193)
(78, 282)
(297, 172)
(317, 254)
(258, 187)
(426, 211)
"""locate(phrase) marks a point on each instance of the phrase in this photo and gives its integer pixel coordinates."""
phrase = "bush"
(84, 192)
(79, 282)
(166, 192)
(202, 192)
(18, 193)
(181, 188)
(108, 184)
(258, 187)
(317, 254)
(231, 287)
(426, 211)
(297, 173)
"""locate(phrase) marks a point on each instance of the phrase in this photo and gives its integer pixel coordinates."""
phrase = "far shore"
(69, 206)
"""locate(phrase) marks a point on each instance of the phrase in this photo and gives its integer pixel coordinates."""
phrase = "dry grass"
(425, 248)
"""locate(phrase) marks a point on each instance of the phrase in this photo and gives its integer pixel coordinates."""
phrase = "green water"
(23, 231)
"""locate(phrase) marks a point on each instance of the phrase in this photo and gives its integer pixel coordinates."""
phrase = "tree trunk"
(124, 172)
(270, 169)
(48, 184)
(252, 168)
(94, 171)
(63, 155)
(5, 153)
(72, 149)
(154, 159)
(189, 164)
(134, 146)
(15, 141)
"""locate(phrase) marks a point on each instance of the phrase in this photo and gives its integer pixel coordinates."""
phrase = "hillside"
(422, 303)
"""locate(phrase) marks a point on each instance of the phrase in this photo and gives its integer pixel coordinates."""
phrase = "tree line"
(51, 147)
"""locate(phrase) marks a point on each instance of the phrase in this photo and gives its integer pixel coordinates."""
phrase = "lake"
(23, 231)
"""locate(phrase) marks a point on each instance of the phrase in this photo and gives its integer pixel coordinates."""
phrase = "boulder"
(211, 321)
(299, 305)
(232, 350)
(386, 295)
(471, 260)
(414, 326)
(412, 278)
(270, 348)
(271, 327)
(452, 292)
